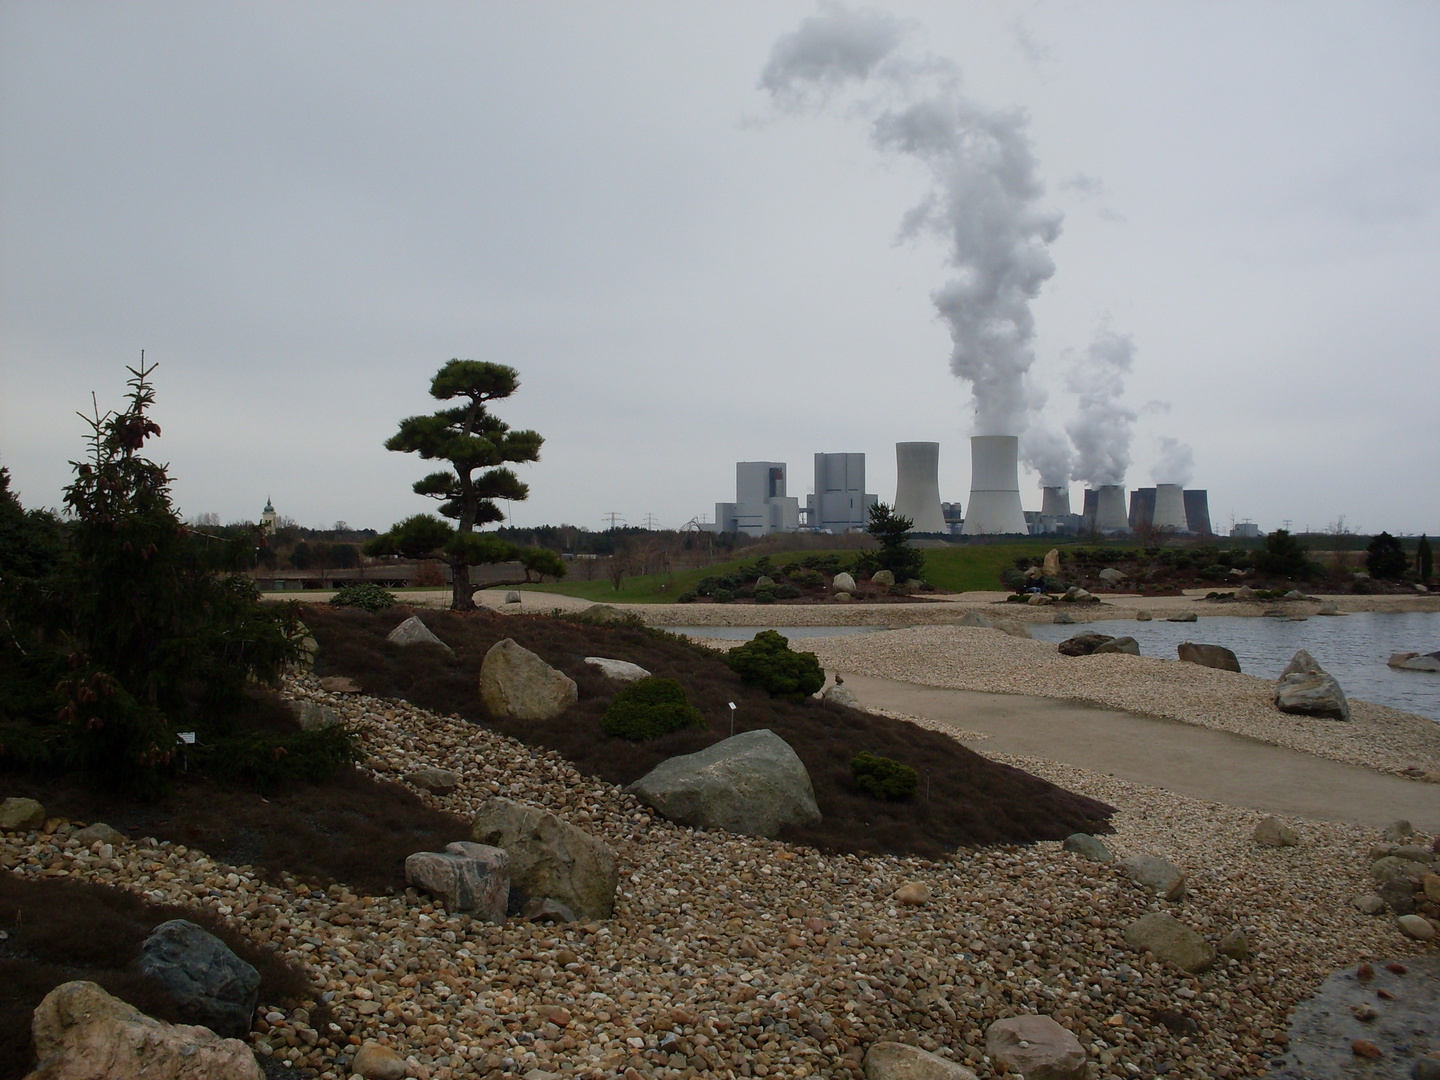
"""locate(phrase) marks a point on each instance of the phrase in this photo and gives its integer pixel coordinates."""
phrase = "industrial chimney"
(994, 487)
(1169, 508)
(1110, 515)
(917, 485)
(1055, 502)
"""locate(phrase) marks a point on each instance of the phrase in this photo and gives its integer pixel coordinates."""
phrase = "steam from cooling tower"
(1176, 464)
(984, 197)
(1048, 452)
(1101, 430)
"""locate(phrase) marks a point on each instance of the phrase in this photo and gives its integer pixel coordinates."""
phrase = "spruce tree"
(1424, 560)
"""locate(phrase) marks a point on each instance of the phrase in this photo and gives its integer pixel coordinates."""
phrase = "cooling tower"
(1142, 507)
(1110, 515)
(1197, 511)
(1055, 502)
(994, 487)
(1169, 508)
(917, 485)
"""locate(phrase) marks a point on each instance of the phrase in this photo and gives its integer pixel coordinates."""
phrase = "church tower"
(267, 519)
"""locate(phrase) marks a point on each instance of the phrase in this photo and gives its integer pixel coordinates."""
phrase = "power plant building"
(840, 502)
(917, 486)
(1104, 509)
(761, 505)
(995, 487)
(1186, 511)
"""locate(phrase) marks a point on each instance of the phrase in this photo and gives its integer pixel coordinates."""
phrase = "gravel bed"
(975, 658)
(731, 956)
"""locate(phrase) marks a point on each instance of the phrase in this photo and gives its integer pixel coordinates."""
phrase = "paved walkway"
(1190, 760)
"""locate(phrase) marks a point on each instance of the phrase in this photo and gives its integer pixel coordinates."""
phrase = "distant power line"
(613, 518)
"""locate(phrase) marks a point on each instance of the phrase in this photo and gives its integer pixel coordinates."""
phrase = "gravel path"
(730, 956)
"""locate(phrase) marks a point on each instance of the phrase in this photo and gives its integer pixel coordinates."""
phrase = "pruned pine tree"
(478, 447)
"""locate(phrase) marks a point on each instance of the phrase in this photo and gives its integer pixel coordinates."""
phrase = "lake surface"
(1353, 648)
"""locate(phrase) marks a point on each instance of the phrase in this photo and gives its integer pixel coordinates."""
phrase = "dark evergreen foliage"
(368, 596)
(1424, 560)
(767, 661)
(1284, 556)
(895, 553)
(649, 708)
(883, 777)
(1385, 557)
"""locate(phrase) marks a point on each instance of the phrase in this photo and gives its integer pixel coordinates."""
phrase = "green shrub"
(267, 760)
(767, 661)
(765, 595)
(786, 592)
(883, 777)
(1215, 572)
(722, 596)
(649, 708)
(686, 597)
(367, 597)
(1386, 558)
(808, 579)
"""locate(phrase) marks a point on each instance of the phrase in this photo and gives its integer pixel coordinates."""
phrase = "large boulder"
(843, 582)
(842, 695)
(1397, 880)
(21, 815)
(1170, 940)
(603, 615)
(414, 632)
(1301, 663)
(1083, 644)
(312, 716)
(1420, 662)
(473, 879)
(1167, 879)
(1036, 1047)
(550, 857)
(899, 1061)
(436, 781)
(1212, 656)
(1272, 832)
(83, 1033)
(882, 577)
(208, 983)
(752, 783)
(1051, 566)
(618, 670)
(1127, 645)
(1111, 576)
(1311, 693)
(515, 682)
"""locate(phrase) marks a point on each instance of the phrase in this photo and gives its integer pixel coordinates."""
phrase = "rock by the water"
(1127, 645)
(83, 1033)
(313, 716)
(752, 783)
(208, 983)
(882, 577)
(436, 781)
(1184, 616)
(21, 815)
(900, 1061)
(1036, 1047)
(1170, 940)
(1328, 608)
(1111, 576)
(473, 879)
(1083, 644)
(550, 857)
(1246, 594)
(619, 670)
(1417, 927)
(414, 632)
(1301, 663)
(1063, 618)
(515, 682)
(1272, 832)
(1039, 599)
(1052, 563)
(1423, 662)
(1235, 945)
(99, 832)
(974, 618)
(843, 582)
(1312, 693)
(339, 684)
(1088, 847)
(1143, 616)
(1295, 594)
(1211, 656)
(1167, 879)
(374, 1061)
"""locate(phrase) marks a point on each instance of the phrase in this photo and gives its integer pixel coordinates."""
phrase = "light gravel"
(731, 956)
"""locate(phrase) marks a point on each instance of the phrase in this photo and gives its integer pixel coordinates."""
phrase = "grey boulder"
(899, 1061)
(1272, 832)
(515, 682)
(312, 716)
(435, 781)
(1036, 1047)
(1167, 879)
(1083, 644)
(208, 983)
(882, 577)
(100, 832)
(1211, 656)
(414, 632)
(1312, 693)
(619, 670)
(752, 783)
(1126, 645)
(21, 815)
(550, 857)
(1301, 663)
(473, 879)
(1111, 576)
(1088, 847)
(1063, 618)
(843, 582)
(841, 695)
(1171, 941)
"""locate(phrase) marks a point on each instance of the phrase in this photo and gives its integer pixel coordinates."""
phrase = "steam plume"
(1101, 430)
(984, 196)
(1176, 464)
(1048, 452)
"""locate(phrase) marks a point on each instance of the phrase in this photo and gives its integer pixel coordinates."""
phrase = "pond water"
(1353, 648)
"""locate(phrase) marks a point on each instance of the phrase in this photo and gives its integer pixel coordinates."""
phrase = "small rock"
(1235, 945)
(843, 582)
(1272, 832)
(1184, 616)
(1170, 940)
(469, 878)
(841, 695)
(1211, 656)
(1111, 576)
(1125, 645)
(208, 983)
(1036, 1047)
(1416, 926)
(1369, 904)
(842, 596)
(1431, 884)
(1364, 973)
(1082, 644)
(898, 1061)
(1312, 693)
(1156, 873)
(1364, 1012)
(1328, 608)
(1366, 1049)
(21, 815)
(512, 597)
(880, 577)
(1088, 847)
(545, 909)
(1039, 600)
(376, 1062)
(1246, 594)
(1426, 1068)
(414, 632)
(313, 716)
(912, 894)
(1143, 616)
(339, 684)
(1063, 618)
(435, 781)
(619, 670)
(99, 833)
(1398, 830)
(1421, 663)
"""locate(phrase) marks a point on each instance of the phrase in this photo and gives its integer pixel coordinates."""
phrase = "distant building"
(954, 517)
(840, 502)
(761, 505)
(1245, 530)
(268, 518)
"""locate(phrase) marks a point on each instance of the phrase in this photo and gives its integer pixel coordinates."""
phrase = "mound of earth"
(964, 798)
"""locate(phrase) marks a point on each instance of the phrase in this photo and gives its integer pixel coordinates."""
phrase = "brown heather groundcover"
(964, 799)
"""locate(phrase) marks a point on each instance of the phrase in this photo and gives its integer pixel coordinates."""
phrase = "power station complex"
(840, 502)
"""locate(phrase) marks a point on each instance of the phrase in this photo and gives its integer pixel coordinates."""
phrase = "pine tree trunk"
(462, 595)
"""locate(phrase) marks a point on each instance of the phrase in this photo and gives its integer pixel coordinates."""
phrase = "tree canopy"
(1385, 557)
(895, 553)
(479, 447)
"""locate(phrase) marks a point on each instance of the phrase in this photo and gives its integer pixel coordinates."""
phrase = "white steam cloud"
(1176, 464)
(1101, 430)
(1048, 452)
(984, 199)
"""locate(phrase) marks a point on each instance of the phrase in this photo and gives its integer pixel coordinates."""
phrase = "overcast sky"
(300, 211)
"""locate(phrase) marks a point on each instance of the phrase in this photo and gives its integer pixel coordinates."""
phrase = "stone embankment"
(745, 956)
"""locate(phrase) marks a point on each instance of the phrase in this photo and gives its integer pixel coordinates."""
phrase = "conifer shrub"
(883, 777)
(686, 597)
(649, 708)
(786, 592)
(765, 594)
(367, 596)
(722, 596)
(767, 661)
